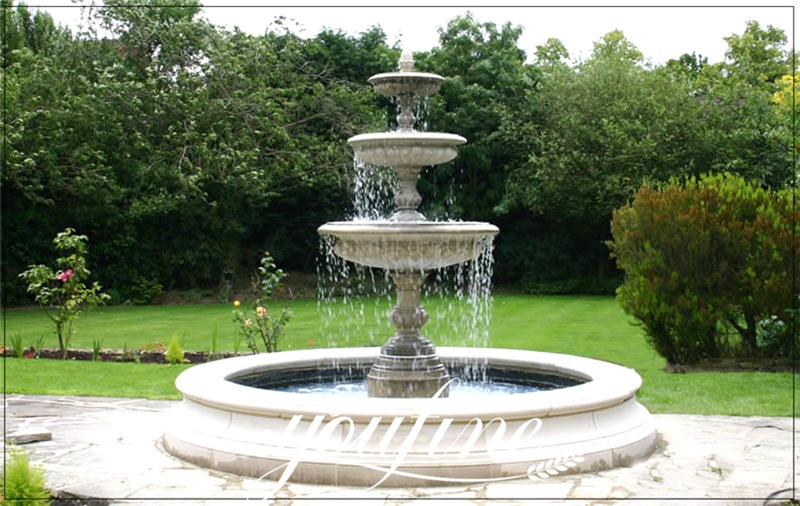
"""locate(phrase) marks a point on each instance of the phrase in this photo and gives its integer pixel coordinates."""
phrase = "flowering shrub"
(257, 326)
(63, 293)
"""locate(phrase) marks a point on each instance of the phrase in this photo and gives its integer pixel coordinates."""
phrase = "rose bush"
(256, 326)
(64, 292)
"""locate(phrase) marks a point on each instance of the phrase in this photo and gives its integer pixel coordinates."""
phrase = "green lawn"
(101, 379)
(588, 326)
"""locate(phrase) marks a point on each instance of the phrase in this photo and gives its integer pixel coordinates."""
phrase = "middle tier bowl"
(398, 149)
(418, 245)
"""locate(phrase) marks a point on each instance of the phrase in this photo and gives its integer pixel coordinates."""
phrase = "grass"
(101, 379)
(588, 326)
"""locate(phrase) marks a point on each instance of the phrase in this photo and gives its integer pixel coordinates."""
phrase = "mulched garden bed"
(733, 365)
(139, 356)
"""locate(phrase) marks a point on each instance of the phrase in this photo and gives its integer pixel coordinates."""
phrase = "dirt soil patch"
(733, 365)
(111, 355)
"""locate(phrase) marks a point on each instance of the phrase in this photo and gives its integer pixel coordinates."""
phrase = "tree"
(485, 74)
(689, 65)
(737, 101)
(157, 37)
(552, 53)
(757, 57)
(21, 31)
(614, 46)
(170, 143)
(788, 113)
(588, 139)
(352, 59)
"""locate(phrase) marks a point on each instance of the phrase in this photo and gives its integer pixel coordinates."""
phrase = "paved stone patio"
(109, 449)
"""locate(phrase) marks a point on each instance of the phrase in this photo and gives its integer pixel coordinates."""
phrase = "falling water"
(463, 298)
(353, 300)
(421, 113)
(373, 191)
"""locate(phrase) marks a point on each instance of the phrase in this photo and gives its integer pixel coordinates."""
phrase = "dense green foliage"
(592, 134)
(23, 484)
(709, 267)
(180, 150)
(183, 150)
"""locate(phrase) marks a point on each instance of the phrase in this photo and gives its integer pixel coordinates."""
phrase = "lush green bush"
(708, 266)
(23, 484)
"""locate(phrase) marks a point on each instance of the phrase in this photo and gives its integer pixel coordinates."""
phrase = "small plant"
(129, 355)
(214, 351)
(16, 343)
(38, 344)
(97, 347)
(191, 295)
(237, 342)
(157, 346)
(62, 293)
(145, 290)
(257, 326)
(23, 483)
(174, 353)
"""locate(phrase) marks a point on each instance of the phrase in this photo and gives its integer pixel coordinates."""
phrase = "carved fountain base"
(408, 370)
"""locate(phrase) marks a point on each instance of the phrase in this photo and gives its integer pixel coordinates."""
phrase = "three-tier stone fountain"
(533, 414)
(408, 246)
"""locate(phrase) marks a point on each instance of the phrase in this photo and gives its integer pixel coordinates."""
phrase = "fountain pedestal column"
(408, 365)
(407, 198)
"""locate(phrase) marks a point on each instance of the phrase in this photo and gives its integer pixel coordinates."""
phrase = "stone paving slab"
(110, 449)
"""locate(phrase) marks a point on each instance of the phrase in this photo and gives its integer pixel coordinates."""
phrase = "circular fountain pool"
(469, 381)
(593, 424)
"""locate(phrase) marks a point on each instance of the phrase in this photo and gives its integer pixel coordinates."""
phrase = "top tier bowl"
(396, 84)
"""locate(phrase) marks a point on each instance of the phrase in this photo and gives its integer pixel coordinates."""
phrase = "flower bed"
(112, 355)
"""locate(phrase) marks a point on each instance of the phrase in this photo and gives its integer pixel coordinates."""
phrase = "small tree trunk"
(60, 332)
(750, 335)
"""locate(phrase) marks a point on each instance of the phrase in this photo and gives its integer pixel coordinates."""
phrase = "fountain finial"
(406, 61)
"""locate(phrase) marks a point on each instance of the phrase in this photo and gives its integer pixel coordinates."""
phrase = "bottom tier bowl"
(592, 422)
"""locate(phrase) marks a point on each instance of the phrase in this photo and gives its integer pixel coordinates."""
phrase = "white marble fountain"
(573, 414)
